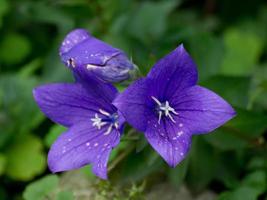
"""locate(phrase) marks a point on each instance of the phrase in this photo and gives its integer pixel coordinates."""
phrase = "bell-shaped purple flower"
(94, 124)
(169, 107)
(81, 51)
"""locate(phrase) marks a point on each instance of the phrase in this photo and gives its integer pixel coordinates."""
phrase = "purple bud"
(81, 50)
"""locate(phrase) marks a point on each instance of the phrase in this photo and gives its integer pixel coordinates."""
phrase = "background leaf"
(41, 189)
(25, 158)
(243, 49)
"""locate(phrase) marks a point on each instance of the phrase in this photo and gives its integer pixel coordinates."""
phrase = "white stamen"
(111, 120)
(171, 118)
(109, 130)
(116, 124)
(160, 114)
(166, 109)
(104, 112)
(156, 100)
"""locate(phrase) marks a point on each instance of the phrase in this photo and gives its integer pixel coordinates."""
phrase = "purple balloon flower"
(81, 50)
(169, 107)
(94, 124)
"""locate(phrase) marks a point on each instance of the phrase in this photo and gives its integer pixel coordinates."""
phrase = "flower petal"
(168, 139)
(81, 51)
(73, 38)
(87, 50)
(96, 87)
(175, 72)
(83, 144)
(68, 104)
(132, 104)
(201, 110)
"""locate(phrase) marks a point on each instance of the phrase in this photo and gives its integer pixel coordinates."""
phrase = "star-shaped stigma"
(111, 119)
(164, 108)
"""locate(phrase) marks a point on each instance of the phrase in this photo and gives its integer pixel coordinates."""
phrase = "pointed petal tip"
(52, 168)
(101, 173)
(80, 30)
(181, 46)
(231, 113)
(36, 92)
(173, 162)
(181, 49)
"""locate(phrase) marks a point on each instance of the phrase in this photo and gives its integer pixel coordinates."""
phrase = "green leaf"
(141, 143)
(258, 92)
(257, 162)
(243, 50)
(53, 134)
(2, 163)
(41, 189)
(177, 174)
(257, 180)
(18, 111)
(87, 170)
(137, 166)
(208, 53)
(233, 89)
(250, 124)
(65, 195)
(242, 193)
(229, 165)
(146, 23)
(25, 158)
(225, 140)
(42, 12)
(54, 70)
(251, 187)
(240, 132)
(14, 48)
(202, 162)
(29, 69)
(4, 7)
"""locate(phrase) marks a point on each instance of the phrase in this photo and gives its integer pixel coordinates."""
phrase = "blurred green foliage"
(226, 38)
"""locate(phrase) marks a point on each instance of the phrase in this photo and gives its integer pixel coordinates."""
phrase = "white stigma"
(164, 108)
(97, 121)
(100, 122)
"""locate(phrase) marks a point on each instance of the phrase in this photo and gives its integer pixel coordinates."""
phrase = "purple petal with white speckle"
(68, 104)
(81, 51)
(83, 144)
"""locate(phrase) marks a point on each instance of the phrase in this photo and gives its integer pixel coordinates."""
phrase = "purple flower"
(169, 107)
(94, 123)
(81, 51)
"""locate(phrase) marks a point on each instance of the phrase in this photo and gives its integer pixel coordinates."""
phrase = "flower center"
(108, 119)
(164, 109)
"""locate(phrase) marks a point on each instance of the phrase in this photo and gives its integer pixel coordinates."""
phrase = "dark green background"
(227, 39)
